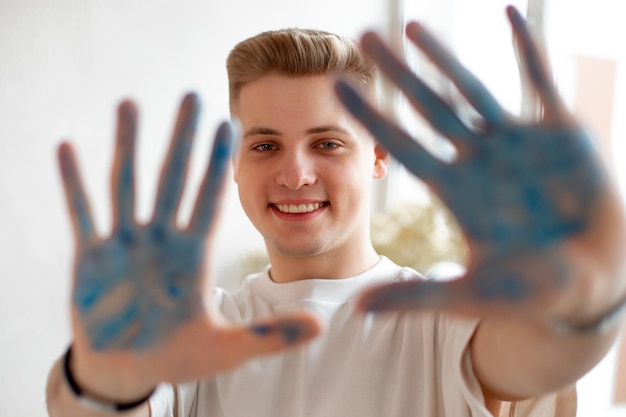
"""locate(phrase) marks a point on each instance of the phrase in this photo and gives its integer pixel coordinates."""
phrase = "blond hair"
(296, 52)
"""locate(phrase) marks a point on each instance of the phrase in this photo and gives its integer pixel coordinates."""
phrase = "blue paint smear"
(289, 331)
(506, 286)
(160, 268)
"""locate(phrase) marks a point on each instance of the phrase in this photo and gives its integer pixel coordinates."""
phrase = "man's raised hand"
(526, 195)
(140, 311)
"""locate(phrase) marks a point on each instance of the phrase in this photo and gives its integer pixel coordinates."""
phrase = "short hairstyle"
(296, 52)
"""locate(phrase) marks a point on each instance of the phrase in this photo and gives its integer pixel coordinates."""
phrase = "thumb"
(267, 337)
(413, 295)
(459, 296)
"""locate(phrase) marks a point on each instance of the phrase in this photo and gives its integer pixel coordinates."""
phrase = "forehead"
(279, 98)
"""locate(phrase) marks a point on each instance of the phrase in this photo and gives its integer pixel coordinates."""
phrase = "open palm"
(139, 302)
(517, 190)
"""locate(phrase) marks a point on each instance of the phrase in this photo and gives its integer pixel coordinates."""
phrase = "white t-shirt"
(363, 365)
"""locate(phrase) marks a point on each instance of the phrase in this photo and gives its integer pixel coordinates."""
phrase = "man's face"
(305, 167)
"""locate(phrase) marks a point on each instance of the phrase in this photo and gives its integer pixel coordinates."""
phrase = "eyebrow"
(261, 131)
(325, 129)
(312, 131)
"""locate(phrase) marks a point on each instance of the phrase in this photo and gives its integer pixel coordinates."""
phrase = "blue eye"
(328, 145)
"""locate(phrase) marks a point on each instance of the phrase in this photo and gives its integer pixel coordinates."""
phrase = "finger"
(534, 63)
(412, 295)
(410, 153)
(506, 284)
(434, 109)
(459, 296)
(240, 344)
(471, 87)
(123, 175)
(212, 187)
(175, 166)
(77, 202)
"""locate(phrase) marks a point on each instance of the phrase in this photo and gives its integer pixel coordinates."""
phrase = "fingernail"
(515, 16)
(192, 98)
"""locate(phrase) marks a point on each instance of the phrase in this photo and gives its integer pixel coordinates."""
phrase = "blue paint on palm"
(138, 286)
(527, 187)
(516, 189)
(157, 278)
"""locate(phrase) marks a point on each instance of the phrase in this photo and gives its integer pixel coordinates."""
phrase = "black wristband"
(92, 403)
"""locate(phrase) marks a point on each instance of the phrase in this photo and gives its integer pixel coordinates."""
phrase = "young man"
(543, 225)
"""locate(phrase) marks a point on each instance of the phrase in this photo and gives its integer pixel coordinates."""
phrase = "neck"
(328, 265)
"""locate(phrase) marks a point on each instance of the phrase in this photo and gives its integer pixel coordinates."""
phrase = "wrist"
(103, 390)
(597, 302)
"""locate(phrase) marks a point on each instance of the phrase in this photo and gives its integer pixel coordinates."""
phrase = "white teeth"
(298, 208)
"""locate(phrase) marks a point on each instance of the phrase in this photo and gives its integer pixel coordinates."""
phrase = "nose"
(295, 170)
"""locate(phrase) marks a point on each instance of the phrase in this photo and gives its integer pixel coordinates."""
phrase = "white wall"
(64, 64)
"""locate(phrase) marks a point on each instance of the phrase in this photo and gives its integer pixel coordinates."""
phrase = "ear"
(381, 163)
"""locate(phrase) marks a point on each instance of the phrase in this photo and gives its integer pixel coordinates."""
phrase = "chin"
(298, 250)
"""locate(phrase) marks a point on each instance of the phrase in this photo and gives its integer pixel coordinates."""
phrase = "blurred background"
(65, 64)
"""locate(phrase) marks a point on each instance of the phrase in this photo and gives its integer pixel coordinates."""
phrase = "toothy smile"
(298, 208)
